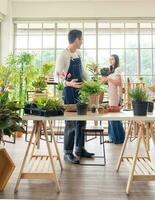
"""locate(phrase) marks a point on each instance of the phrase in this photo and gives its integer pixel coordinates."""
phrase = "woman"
(115, 130)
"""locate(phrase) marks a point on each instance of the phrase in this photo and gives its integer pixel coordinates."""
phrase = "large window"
(134, 42)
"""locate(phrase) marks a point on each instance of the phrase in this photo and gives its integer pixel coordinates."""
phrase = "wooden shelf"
(144, 170)
(6, 168)
(39, 167)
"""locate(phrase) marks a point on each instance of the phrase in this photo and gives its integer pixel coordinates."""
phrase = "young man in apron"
(69, 62)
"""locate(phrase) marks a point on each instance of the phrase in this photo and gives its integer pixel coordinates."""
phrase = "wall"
(84, 9)
(3, 7)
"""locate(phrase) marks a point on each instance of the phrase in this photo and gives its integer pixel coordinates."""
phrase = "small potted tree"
(93, 89)
(139, 98)
(82, 104)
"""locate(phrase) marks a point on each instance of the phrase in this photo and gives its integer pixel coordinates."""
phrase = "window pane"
(103, 28)
(89, 28)
(104, 41)
(90, 41)
(103, 58)
(48, 56)
(21, 42)
(89, 56)
(145, 41)
(145, 28)
(62, 41)
(131, 62)
(146, 61)
(76, 25)
(131, 41)
(38, 57)
(117, 41)
(131, 28)
(117, 28)
(35, 42)
(48, 41)
(62, 28)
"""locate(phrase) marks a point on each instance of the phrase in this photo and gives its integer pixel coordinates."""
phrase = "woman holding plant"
(115, 130)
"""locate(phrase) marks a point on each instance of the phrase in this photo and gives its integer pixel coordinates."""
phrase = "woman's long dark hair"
(116, 63)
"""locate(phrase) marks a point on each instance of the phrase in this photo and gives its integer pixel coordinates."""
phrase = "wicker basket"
(70, 107)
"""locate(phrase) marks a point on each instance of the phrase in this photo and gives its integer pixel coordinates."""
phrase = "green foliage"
(46, 69)
(60, 86)
(40, 84)
(91, 87)
(105, 71)
(93, 69)
(9, 119)
(138, 94)
(83, 97)
(48, 103)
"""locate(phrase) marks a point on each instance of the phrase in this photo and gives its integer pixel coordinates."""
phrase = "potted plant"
(139, 98)
(82, 104)
(45, 107)
(105, 71)
(40, 84)
(93, 89)
(60, 87)
(10, 122)
(94, 71)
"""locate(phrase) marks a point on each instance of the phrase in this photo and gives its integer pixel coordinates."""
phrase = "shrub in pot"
(82, 104)
(40, 84)
(139, 98)
(93, 89)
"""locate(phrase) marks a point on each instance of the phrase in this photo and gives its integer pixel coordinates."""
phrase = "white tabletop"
(72, 116)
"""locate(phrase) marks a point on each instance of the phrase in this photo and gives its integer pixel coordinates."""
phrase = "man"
(69, 62)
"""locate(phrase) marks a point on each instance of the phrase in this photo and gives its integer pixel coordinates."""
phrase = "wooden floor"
(80, 182)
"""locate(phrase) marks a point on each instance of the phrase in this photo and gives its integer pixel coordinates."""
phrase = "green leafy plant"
(83, 97)
(105, 71)
(138, 94)
(46, 69)
(40, 84)
(91, 87)
(53, 103)
(10, 121)
(94, 70)
(60, 86)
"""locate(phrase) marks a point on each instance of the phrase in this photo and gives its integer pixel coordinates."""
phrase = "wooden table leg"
(51, 157)
(134, 160)
(124, 146)
(25, 158)
(55, 144)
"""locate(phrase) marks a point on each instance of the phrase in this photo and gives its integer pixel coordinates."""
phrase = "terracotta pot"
(19, 134)
(93, 100)
(101, 97)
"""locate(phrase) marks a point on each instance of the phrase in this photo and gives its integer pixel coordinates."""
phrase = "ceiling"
(80, 0)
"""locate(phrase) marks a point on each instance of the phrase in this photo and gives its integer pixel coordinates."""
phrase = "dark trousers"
(74, 134)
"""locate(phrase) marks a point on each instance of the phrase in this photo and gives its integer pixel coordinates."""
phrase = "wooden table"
(141, 167)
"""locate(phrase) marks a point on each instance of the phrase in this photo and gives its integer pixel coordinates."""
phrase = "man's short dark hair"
(73, 34)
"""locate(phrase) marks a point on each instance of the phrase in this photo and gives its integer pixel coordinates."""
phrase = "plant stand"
(40, 166)
(141, 167)
(6, 168)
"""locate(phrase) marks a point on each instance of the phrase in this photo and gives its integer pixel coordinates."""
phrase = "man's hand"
(73, 84)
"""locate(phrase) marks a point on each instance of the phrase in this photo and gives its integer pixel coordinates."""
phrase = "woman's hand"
(104, 79)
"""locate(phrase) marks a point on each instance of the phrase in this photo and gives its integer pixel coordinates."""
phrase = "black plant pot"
(82, 109)
(150, 107)
(140, 108)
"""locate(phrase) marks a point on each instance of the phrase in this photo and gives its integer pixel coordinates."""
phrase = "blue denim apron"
(74, 72)
(73, 133)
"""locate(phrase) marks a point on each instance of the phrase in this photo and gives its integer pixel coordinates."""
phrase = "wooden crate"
(6, 168)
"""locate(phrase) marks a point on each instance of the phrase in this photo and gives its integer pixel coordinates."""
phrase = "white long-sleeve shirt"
(63, 62)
